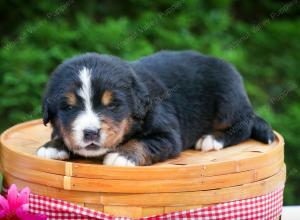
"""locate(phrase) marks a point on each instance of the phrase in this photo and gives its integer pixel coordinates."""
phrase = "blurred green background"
(262, 38)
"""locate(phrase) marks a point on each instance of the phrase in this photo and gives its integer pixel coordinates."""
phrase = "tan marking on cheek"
(136, 151)
(68, 140)
(114, 132)
(71, 98)
(106, 97)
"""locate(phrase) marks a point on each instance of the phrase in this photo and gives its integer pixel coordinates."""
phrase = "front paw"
(53, 150)
(116, 159)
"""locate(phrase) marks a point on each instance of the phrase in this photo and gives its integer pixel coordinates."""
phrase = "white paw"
(52, 153)
(115, 159)
(208, 143)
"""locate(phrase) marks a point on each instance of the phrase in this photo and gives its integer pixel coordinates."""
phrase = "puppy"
(146, 111)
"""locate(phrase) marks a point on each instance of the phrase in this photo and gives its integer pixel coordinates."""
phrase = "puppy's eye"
(70, 107)
(113, 106)
(66, 107)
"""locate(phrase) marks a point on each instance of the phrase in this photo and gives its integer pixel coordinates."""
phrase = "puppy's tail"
(262, 131)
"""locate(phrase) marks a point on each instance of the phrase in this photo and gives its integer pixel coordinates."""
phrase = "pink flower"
(16, 205)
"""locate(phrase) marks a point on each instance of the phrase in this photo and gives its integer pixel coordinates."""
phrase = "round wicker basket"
(194, 179)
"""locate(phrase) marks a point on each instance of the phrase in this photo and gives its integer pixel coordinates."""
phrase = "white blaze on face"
(87, 119)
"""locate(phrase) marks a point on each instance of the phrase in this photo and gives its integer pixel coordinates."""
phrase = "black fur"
(172, 98)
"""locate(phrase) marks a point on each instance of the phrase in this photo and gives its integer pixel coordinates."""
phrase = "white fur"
(115, 159)
(270, 141)
(102, 138)
(52, 153)
(208, 143)
(91, 153)
(87, 119)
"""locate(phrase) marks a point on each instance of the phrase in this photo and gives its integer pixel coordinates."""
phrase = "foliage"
(261, 39)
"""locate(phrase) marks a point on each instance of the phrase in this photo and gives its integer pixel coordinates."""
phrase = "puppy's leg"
(133, 153)
(231, 135)
(54, 149)
(142, 152)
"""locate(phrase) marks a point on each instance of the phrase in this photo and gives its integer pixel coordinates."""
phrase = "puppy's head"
(92, 101)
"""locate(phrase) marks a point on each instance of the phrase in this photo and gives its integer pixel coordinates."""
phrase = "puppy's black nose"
(91, 134)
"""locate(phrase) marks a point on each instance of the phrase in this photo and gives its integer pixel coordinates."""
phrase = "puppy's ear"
(47, 115)
(141, 99)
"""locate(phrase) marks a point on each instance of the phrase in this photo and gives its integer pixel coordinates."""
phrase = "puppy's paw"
(115, 159)
(208, 143)
(52, 153)
(53, 150)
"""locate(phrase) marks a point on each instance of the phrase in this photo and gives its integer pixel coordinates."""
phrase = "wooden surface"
(141, 205)
(202, 197)
(194, 179)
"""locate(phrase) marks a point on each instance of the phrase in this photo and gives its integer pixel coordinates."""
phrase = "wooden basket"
(194, 179)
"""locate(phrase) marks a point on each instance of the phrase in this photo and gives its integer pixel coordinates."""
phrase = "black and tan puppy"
(146, 111)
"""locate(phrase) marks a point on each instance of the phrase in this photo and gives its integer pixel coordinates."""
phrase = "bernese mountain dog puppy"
(146, 111)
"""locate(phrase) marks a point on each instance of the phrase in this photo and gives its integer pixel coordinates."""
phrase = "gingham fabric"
(266, 207)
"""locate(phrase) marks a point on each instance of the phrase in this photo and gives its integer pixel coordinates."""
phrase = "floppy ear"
(47, 115)
(141, 99)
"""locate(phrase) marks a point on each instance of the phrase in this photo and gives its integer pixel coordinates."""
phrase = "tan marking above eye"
(106, 97)
(71, 98)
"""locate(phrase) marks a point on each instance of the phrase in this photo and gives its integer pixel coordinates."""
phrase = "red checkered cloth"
(266, 207)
